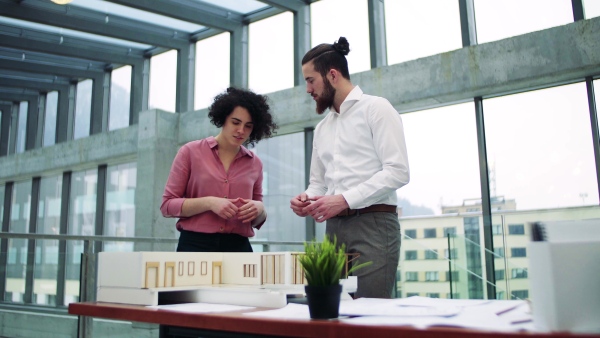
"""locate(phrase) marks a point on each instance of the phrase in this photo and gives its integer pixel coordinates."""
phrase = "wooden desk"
(235, 324)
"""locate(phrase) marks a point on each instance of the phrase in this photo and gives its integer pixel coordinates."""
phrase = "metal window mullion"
(5, 128)
(100, 205)
(486, 211)
(8, 188)
(62, 245)
(33, 217)
(468, 28)
(589, 83)
(14, 129)
(578, 10)
(139, 91)
(301, 40)
(186, 64)
(99, 103)
(311, 231)
(239, 56)
(32, 123)
(41, 117)
(377, 40)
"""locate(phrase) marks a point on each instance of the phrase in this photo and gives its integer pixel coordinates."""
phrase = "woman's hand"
(224, 208)
(250, 210)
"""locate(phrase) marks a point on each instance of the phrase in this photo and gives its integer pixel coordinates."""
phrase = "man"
(359, 160)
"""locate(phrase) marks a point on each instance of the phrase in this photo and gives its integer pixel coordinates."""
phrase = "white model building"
(150, 278)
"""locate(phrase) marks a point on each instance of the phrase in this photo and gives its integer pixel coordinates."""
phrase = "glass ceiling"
(243, 7)
(139, 15)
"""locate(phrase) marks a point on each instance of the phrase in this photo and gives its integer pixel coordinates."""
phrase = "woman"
(215, 184)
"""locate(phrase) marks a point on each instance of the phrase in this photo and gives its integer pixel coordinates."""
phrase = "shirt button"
(222, 229)
(225, 196)
(226, 181)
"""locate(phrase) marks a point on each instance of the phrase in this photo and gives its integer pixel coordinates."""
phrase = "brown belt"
(373, 208)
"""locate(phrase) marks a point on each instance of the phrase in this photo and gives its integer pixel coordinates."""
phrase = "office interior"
(498, 101)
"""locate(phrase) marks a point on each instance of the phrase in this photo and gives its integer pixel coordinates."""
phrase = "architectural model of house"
(150, 278)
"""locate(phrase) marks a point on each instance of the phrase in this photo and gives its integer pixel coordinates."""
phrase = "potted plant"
(323, 264)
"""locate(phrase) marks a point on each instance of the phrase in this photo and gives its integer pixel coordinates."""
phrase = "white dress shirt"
(360, 152)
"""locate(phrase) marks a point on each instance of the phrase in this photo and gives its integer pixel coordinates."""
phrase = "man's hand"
(250, 210)
(298, 204)
(323, 208)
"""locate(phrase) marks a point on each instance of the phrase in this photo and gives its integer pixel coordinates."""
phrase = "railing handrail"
(21, 235)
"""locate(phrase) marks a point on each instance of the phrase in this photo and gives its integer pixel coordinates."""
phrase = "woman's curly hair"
(257, 105)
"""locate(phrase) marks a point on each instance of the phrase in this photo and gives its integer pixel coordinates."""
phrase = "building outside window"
(516, 229)
(431, 254)
(410, 233)
(410, 255)
(431, 276)
(429, 233)
(520, 294)
(499, 274)
(518, 252)
(499, 252)
(519, 273)
(412, 276)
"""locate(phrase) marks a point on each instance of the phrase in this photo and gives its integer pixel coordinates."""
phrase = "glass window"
(2, 192)
(163, 81)
(591, 8)
(449, 231)
(283, 178)
(82, 220)
(518, 252)
(453, 252)
(212, 69)
(499, 274)
(410, 255)
(354, 27)
(22, 126)
(412, 294)
(432, 294)
(519, 273)
(516, 229)
(434, 136)
(48, 222)
(546, 160)
(497, 229)
(520, 294)
(119, 216)
(411, 233)
(429, 233)
(596, 85)
(271, 65)
(524, 17)
(499, 252)
(431, 276)
(431, 254)
(500, 294)
(17, 248)
(412, 276)
(120, 98)
(417, 29)
(454, 276)
(50, 116)
(83, 109)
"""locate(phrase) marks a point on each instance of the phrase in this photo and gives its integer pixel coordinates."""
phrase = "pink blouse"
(197, 171)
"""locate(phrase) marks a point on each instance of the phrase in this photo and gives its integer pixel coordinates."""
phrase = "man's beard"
(325, 100)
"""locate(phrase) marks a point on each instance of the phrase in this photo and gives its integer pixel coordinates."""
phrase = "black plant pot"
(323, 301)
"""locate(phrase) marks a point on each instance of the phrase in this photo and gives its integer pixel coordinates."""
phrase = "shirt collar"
(212, 143)
(354, 95)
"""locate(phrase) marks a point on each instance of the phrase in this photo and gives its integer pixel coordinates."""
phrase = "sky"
(556, 167)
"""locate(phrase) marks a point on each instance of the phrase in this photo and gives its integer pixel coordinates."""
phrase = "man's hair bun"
(342, 46)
